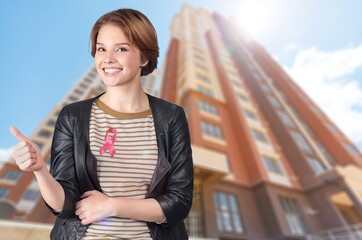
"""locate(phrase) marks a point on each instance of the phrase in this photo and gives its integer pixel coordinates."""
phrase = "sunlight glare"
(254, 16)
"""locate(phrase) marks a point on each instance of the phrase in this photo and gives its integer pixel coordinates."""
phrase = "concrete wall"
(11, 230)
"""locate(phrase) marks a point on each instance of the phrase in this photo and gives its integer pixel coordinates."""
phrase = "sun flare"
(254, 16)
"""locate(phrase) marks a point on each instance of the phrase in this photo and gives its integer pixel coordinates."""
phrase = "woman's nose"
(109, 57)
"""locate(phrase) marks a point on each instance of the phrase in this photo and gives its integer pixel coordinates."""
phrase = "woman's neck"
(125, 101)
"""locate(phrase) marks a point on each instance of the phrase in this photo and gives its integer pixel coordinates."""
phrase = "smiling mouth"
(112, 70)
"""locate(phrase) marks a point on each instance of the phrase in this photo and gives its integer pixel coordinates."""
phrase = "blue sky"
(45, 50)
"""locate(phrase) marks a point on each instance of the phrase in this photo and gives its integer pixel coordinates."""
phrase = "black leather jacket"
(75, 168)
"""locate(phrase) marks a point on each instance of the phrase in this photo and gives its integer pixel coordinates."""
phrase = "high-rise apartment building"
(269, 164)
(20, 198)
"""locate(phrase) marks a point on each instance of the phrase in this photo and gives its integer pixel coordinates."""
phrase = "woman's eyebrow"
(117, 44)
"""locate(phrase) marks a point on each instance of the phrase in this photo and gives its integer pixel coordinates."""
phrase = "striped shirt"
(125, 165)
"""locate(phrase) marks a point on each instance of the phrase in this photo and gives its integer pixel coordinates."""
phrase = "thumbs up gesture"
(26, 153)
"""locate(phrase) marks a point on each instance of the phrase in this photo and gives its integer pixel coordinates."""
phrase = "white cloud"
(327, 77)
(292, 47)
(5, 154)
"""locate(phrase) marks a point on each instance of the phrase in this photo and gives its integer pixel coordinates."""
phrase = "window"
(13, 175)
(198, 50)
(293, 215)
(45, 133)
(199, 56)
(82, 85)
(265, 88)
(317, 110)
(286, 119)
(307, 128)
(250, 114)
(203, 77)
(40, 145)
(201, 66)
(3, 192)
(301, 142)
(332, 127)
(236, 83)
(242, 97)
(325, 152)
(212, 130)
(88, 79)
(31, 195)
(227, 213)
(73, 98)
(92, 74)
(208, 108)
(274, 101)
(259, 136)
(78, 91)
(316, 165)
(205, 91)
(51, 123)
(256, 76)
(272, 165)
(351, 149)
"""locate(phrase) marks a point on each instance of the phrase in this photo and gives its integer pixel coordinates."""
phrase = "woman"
(121, 163)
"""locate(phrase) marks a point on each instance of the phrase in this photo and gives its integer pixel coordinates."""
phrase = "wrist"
(116, 206)
(43, 170)
(113, 205)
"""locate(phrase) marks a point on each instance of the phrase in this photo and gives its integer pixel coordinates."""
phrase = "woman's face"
(118, 62)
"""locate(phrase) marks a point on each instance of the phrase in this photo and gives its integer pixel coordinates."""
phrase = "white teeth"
(112, 70)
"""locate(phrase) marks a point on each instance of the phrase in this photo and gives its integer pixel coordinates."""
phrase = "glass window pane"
(293, 215)
(227, 213)
(237, 223)
(227, 221)
(301, 142)
(3, 192)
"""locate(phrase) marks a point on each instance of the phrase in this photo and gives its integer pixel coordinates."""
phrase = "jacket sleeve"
(62, 166)
(177, 200)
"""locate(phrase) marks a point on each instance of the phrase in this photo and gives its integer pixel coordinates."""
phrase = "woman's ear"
(144, 64)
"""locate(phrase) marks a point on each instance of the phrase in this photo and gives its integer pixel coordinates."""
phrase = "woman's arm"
(96, 206)
(177, 200)
(28, 157)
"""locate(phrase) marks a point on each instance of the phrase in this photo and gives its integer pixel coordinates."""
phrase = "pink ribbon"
(108, 142)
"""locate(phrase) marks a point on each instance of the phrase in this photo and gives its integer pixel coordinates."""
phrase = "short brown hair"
(139, 30)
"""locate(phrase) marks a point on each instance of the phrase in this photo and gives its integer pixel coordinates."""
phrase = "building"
(269, 164)
(20, 198)
(150, 82)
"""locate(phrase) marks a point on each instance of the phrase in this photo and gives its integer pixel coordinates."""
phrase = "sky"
(45, 51)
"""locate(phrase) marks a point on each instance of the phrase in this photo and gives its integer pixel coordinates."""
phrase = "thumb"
(17, 134)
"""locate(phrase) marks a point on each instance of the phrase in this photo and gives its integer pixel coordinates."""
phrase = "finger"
(21, 144)
(87, 194)
(78, 212)
(25, 157)
(20, 152)
(78, 205)
(27, 165)
(82, 216)
(17, 134)
(86, 220)
(19, 148)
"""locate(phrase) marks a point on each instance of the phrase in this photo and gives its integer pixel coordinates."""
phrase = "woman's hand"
(93, 207)
(26, 153)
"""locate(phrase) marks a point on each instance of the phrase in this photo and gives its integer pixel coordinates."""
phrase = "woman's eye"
(100, 49)
(121, 49)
